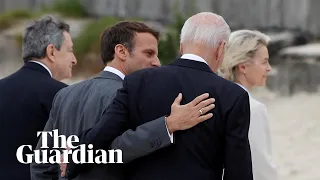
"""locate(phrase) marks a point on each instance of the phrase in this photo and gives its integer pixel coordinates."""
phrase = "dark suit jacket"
(201, 152)
(25, 102)
(78, 107)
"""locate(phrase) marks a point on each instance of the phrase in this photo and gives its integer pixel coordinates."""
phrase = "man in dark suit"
(26, 95)
(125, 47)
(216, 148)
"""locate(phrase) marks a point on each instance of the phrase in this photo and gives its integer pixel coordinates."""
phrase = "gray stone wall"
(301, 14)
(297, 70)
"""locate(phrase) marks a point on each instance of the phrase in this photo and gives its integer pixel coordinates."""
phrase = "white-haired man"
(204, 151)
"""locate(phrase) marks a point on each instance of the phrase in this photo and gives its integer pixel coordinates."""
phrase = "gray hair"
(206, 28)
(39, 34)
(240, 49)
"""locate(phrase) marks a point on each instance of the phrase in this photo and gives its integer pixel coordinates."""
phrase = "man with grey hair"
(47, 42)
(203, 151)
(27, 95)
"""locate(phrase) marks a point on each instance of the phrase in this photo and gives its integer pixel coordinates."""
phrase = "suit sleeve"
(146, 139)
(237, 161)
(259, 137)
(46, 171)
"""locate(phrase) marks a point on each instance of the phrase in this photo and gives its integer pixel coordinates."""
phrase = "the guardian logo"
(60, 152)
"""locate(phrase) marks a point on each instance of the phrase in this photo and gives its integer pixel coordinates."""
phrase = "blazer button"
(156, 143)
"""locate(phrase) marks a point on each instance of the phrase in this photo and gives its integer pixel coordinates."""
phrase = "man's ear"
(220, 51)
(120, 51)
(181, 50)
(50, 52)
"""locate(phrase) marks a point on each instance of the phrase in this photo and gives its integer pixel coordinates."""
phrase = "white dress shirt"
(263, 166)
(43, 66)
(193, 57)
(114, 71)
(122, 76)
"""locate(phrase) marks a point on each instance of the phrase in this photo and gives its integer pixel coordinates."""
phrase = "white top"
(122, 76)
(42, 66)
(263, 166)
(193, 57)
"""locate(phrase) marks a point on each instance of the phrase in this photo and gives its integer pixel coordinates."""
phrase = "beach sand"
(295, 130)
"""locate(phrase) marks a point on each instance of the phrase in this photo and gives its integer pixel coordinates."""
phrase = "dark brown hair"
(122, 33)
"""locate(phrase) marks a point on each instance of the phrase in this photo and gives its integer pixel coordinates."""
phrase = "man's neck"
(198, 49)
(195, 53)
(204, 56)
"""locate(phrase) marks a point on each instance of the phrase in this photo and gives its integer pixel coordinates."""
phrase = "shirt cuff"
(170, 135)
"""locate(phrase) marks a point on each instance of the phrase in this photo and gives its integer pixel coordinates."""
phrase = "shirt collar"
(193, 57)
(43, 65)
(115, 71)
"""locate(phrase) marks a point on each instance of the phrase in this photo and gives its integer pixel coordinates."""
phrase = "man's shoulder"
(148, 72)
(69, 91)
(14, 77)
(95, 83)
(57, 84)
(93, 86)
(226, 84)
(72, 87)
(31, 82)
(50, 85)
(227, 89)
(138, 73)
(31, 76)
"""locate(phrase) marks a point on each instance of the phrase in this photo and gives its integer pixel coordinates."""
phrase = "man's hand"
(63, 168)
(63, 165)
(183, 117)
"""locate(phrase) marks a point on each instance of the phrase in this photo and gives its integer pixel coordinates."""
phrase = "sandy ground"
(295, 129)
